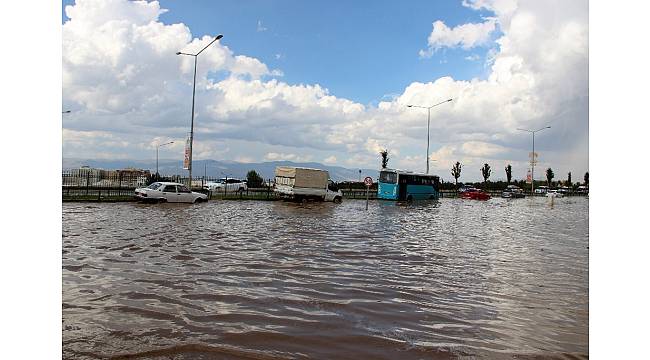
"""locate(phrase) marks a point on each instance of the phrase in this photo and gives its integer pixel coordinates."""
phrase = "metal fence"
(119, 185)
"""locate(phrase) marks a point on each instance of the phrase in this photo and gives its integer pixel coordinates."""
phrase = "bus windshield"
(388, 177)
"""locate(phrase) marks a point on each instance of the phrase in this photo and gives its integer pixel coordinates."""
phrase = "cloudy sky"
(330, 82)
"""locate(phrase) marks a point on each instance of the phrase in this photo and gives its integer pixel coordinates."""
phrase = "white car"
(230, 185)
(554, 193)
(541, 189)
(169, 192)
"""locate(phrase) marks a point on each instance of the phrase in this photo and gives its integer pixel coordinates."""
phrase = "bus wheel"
(409, 199)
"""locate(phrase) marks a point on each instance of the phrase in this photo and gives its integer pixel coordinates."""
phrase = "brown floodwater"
(448, 279)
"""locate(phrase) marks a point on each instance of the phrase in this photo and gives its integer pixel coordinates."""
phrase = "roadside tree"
(253, 179)
(384, 158)
(509, 173)
(549, 176)
(455, 172)
(485, 170)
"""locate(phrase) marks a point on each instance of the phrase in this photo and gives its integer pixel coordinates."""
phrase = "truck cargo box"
(301, 177)
(302, 184)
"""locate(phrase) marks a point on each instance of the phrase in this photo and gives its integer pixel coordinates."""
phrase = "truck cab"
(333, 193)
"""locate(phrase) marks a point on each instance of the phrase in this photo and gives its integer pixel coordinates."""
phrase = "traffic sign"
(367, 181)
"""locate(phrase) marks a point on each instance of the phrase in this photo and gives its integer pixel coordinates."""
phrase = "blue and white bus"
(406, 186)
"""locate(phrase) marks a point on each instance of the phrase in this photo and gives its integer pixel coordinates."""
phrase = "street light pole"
(193, 96)
(429, 123)
(532, 159)
(158, 148)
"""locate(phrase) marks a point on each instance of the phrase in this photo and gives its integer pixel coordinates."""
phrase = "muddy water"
(271, 280)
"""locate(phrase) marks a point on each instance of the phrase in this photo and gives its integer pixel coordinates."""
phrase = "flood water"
(448, 279)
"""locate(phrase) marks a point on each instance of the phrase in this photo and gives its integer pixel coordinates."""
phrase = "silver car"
(169, 192)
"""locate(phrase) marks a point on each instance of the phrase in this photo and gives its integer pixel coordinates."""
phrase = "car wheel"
(162, 200)
(337, 200)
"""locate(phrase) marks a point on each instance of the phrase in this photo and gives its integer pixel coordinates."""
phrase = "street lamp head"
(449, 100)
(409, 105)
(219, 36)
(178, 53)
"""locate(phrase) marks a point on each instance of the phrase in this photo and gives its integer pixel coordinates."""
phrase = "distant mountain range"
(218, 168)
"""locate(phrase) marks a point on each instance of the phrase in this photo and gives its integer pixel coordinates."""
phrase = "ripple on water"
(272, 280)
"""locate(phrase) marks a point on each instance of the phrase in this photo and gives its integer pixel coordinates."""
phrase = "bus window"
(388, 177)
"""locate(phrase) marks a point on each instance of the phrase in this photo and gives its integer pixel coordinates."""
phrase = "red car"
(475, 194)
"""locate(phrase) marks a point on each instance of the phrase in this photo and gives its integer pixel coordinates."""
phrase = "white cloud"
(128, 89)
(472, 57)
(465, 36)
(330, 160)
(244, 159)
(260, 28)
(273, 156)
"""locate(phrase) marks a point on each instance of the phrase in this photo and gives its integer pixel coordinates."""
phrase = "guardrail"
(359, 193)
(497, 193)
(112, 193)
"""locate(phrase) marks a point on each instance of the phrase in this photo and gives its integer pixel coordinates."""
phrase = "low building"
(91, 177)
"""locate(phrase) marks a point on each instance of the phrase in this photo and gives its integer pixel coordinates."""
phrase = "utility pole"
(533, 159)
(193, 96)
(429, 123)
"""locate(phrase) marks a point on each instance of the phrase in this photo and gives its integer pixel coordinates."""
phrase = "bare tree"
(455, 172)
(384, 158)
(485, 170)
(509, 173)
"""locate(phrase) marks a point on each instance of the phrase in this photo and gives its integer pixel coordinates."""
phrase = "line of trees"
(486, 171)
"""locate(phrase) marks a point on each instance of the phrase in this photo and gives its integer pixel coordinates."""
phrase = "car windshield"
(154, 186)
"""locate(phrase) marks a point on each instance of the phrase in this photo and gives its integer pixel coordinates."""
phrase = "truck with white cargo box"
(303, 184)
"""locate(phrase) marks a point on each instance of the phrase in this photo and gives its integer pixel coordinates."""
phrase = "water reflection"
(245, 279)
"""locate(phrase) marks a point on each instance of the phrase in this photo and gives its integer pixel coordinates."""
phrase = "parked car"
(583, 189)
(465, 188)
(541, 189)
(512, 192)
(230, 185)
(563, 190)
(169, 192)
(475, 194)
(554, 193)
